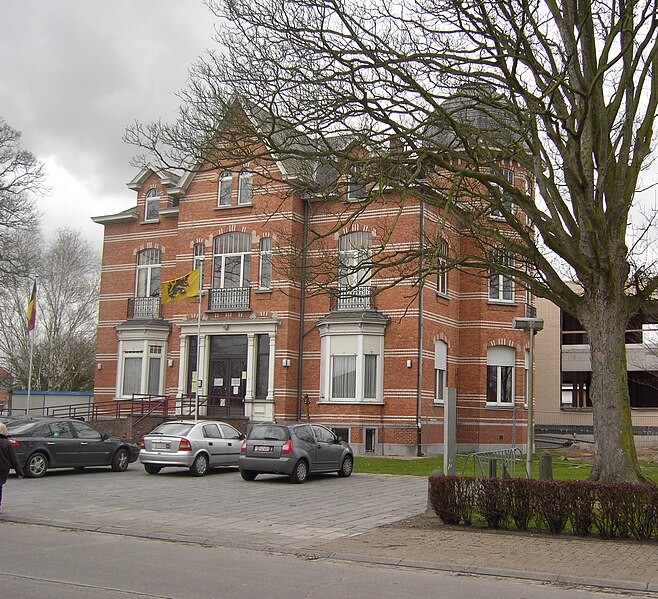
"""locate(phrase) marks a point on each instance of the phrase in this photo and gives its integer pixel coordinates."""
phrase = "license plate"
(263, 448)
(160, 445)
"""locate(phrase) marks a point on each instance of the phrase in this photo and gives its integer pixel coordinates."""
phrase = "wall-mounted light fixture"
(409, 363)
(285, 362)
(99, 365)
(170, 362)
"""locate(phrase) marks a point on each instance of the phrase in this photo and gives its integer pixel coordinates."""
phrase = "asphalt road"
(39, 561)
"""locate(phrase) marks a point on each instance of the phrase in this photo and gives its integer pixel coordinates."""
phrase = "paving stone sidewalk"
(375, 518)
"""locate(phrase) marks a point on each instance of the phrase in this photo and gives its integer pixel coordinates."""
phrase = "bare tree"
(21, 177)
(442, 94)
(67, 306)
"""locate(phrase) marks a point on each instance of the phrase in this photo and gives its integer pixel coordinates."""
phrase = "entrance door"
(228, 382)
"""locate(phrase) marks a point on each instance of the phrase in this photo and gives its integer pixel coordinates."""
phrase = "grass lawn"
(564, 467)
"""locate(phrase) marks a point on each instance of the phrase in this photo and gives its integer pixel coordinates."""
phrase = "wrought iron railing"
(229, 298)
(144, 307)
(353, 298)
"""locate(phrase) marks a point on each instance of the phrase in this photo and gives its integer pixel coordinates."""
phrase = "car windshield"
(269, 432)
(175, 429)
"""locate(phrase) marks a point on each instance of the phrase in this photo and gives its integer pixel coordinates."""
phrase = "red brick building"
(369, 356)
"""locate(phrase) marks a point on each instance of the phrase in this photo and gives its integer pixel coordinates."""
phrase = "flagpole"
(198, 343)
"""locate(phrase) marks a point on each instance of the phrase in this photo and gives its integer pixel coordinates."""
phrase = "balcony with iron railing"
(353, 298)
(144, 307)
(229, 298)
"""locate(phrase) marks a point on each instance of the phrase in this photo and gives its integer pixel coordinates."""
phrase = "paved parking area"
(219, 508)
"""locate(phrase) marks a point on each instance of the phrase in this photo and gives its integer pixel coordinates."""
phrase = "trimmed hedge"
(613, 510)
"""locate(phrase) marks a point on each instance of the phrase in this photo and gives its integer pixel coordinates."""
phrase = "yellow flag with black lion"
(185, 286)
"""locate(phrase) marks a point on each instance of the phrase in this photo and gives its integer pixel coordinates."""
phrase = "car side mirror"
(338, 440)
(242, 436)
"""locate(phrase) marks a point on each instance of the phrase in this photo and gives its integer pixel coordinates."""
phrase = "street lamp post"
(533, 326)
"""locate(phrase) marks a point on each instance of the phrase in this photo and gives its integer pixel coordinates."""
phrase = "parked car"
(43, 443)
(194, 444)
(296, 450)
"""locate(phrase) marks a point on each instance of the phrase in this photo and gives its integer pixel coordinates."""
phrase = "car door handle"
(230, 444)
(50, 443)
(83, 443)
(209, 442)
(319, 445)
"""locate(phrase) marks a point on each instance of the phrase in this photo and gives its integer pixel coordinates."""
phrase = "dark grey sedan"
(296, 450)
(45, 443)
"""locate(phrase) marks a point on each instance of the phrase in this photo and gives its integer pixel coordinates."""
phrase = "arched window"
(265, 274)
(442, 269)
(245, 187)
(501, 284)
(231, 271)
(152, 205)
(199, 250)
(148, 273)
(225, 189)
(354, 270)
(500, 375)
(440, 370)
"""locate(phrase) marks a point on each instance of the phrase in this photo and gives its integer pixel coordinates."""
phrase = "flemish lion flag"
(32, 309)
(185, 286)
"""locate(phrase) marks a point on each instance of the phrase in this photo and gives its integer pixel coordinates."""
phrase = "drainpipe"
(302, 307)
(421, 285)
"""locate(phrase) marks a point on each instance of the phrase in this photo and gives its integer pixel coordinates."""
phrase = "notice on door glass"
(235, 390)
(217, 382)
(235, 382)
(244, 375)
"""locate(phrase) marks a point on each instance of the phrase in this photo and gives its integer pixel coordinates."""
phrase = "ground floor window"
(500, 375)
(440, 370)
(141, 369)
(370, 435)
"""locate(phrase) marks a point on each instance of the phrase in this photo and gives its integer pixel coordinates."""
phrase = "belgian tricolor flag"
(32, 309)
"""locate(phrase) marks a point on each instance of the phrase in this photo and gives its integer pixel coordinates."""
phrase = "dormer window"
(245, 187)
(500, 195)
(152, 205)
(225, 189)
(356, 188)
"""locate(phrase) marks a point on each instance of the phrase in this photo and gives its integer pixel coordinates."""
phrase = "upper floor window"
(356, 187)
(148, 273)
(501, 285)
(442, 269)
(152, 205)
(225, 189)
(199, 250)
(354, 270)
(500, 375)
(440, 370)
(265, 274)
(231, 260)
(500, 195)
(245, 187)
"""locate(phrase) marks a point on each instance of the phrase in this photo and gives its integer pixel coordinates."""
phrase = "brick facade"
(260, 340)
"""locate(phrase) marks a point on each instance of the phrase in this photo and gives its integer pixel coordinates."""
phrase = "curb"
(602, 583)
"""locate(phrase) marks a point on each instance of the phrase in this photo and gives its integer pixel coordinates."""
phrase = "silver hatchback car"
(194, 444)
(296, 450)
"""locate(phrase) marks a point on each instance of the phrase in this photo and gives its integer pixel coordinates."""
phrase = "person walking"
(8, 459)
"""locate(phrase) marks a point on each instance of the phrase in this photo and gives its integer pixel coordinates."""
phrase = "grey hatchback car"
(296, 450)
(194, 444)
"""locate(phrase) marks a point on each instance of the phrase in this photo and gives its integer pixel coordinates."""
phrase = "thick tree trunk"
(615, 459)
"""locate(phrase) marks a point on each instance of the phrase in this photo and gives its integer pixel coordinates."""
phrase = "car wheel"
(346, 467)
(248, 474)
(36, 465)
(152, 468)
(200, 466)
(120, 460)
(300, 473)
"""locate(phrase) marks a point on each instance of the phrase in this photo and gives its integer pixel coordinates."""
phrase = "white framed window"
(356, 187)
(265, 271)
(500, 375)
(501, 284)
(231, 260)
(352, 363)
(440, 370)
(354, 290)
(225, 189)
(152, 205)
(245, 187)
(500, 195)
(148, 273)
(442, 269)
(526, 378)
(141, 368)
(199, 251)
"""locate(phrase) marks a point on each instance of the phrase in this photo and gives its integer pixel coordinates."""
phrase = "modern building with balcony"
(366, 354)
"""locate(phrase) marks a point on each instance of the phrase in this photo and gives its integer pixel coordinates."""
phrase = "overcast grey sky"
(75, 73)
